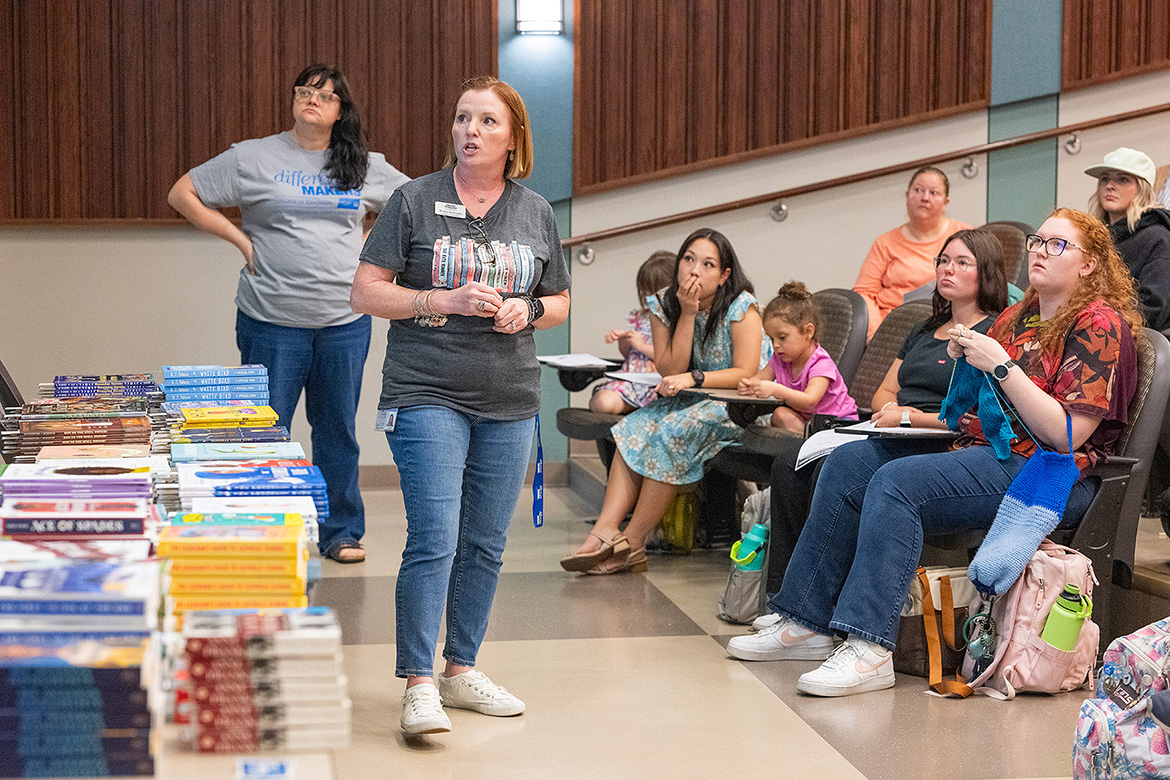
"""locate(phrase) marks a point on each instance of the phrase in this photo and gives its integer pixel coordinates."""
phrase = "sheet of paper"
(648, 378)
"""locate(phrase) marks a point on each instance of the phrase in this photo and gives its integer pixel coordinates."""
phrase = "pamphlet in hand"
(822, 443)
(576, 360)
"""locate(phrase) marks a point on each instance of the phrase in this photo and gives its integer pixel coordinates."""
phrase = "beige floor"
(626, 677)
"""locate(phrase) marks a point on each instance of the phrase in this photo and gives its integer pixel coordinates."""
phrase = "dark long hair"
(348, 151)
(736, 283)
(991, 293)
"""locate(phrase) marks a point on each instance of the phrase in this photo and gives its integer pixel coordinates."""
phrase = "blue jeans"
(461, 475)
(327, 364)
(875, 499)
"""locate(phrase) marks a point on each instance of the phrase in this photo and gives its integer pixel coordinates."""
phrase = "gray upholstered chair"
(844, 324)
(1015, 253)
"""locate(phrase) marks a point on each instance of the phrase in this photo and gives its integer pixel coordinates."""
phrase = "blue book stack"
(73, 699)
(216, 383)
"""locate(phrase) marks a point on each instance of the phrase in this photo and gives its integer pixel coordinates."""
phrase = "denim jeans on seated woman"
(461, 475)
(859, 549)
(327, 364)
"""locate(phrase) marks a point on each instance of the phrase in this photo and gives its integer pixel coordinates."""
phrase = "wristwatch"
(698, 376)
(537, 310)
(1001, 371)
(905, 421)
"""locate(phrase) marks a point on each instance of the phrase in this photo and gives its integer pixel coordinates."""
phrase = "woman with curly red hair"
(1066, 351)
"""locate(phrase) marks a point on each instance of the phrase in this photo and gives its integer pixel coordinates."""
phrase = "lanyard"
(538, 482)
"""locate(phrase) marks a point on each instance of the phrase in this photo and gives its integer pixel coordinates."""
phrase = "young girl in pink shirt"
(800, 373)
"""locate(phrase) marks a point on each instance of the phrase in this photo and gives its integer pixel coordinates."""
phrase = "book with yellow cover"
(237, 586)
(230, 415)
(177, 605)
(240, 567)
(232, 541)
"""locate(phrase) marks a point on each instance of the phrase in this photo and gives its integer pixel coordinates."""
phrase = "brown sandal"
(348, 552)
(609, 547)
(632, 560)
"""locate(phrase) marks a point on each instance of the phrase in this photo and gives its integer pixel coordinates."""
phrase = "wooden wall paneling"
(675, 87)
(8, 118)
(764, 64)
(66, 101)
(828, 66)
(163, 131)
(1159, 22)
(1131, 51)
(645, 98)
(918, 62)
(33, 145)
(739, 102)
(856, 71)
(421, 93)
(130, 87)
(97, 141)
(387, 102)
(1106, 40)
(798, 71)
(706, 96)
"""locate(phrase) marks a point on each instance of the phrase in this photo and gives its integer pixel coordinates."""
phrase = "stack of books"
(301, 505)
(82, 479)
(221, 566)
(40, 520)
(104, 385)
(267, 680)
(266, 478)
(216, 383)
(244, 450)
(75, 697)
(77, 421)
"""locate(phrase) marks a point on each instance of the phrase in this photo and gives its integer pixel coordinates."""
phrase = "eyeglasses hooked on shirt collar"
(486, 250)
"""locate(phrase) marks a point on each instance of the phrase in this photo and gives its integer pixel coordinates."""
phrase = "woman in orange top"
(903, 259)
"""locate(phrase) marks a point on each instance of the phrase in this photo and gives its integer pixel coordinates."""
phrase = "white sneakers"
(472, 690)
(422, 711)
(857, 666)
(422, 706)
(783, 640)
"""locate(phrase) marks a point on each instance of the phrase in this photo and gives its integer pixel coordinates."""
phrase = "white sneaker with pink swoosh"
(857, 666)
(784, 640)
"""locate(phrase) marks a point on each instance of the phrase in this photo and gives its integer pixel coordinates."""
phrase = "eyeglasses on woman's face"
(325, 97)
(959, 263)
(1054, 246)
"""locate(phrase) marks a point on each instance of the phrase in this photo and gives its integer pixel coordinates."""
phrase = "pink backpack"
(1023, 661)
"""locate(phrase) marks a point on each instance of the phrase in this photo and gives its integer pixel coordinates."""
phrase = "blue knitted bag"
(1030, 510)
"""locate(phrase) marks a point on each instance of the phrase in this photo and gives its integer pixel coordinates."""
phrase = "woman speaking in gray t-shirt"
(464, 263)
(303, 196)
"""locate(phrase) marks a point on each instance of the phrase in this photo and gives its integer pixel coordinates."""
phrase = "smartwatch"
(905, 421)
(537, 310)
(698, 376)
(1001, 371)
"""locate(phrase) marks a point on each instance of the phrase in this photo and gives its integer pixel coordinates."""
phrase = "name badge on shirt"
(450, 209)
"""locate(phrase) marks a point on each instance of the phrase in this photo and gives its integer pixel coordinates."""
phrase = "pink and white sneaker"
(784, 640)
(857, 666)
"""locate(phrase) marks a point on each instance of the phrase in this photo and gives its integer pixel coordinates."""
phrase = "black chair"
(883, 348)
(1108, 532)
(1011, 237)
(9, 393)
(844, 324)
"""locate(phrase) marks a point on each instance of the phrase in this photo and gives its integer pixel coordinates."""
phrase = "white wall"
(1150, 135)
(112, 300)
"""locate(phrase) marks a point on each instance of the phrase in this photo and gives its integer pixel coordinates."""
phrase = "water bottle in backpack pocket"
(743, 596)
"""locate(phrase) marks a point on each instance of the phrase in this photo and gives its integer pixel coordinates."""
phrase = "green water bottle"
(748, 554)
(1064, 622)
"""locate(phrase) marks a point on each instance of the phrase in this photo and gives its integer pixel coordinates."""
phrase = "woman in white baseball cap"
(1126, 202)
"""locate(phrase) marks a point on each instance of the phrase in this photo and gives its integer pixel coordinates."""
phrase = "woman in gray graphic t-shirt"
(303, 196)
(464, 263)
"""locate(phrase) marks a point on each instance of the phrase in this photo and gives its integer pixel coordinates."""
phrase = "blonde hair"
(519, 165)
(1145, 199)
(1108, 281)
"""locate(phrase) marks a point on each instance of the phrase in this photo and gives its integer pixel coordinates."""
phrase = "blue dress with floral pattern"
(670, 439)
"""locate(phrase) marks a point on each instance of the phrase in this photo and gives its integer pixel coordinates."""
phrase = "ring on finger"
(481, 305)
